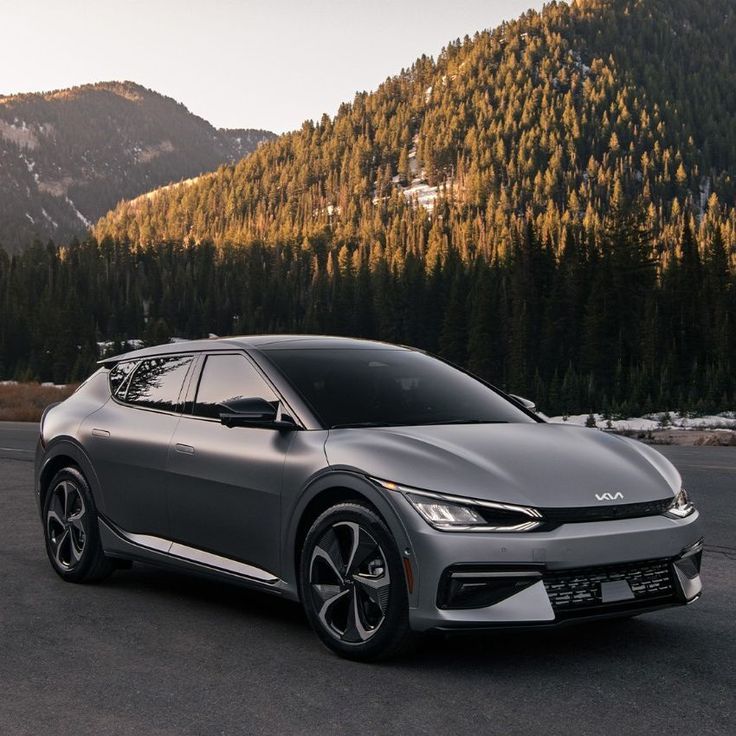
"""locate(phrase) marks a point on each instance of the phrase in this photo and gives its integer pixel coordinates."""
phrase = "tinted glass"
(389, 387)
(225, 380)
(118, 375)
(156, 382)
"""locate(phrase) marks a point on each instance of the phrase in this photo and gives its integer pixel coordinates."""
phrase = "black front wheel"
(70, 529)
(352, 584)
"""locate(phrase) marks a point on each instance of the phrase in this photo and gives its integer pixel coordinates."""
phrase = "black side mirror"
(254, 412)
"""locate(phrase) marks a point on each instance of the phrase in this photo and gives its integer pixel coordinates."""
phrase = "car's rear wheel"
(352, 584)
(70, 529)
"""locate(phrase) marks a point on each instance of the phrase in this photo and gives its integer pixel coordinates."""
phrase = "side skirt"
(157, 550)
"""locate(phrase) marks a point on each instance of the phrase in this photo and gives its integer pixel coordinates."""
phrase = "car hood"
(544, 465)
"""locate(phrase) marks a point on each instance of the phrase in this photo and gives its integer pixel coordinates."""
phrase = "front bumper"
(597, 555)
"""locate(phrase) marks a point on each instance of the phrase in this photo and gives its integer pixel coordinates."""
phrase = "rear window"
(118, 375)
(156, 383)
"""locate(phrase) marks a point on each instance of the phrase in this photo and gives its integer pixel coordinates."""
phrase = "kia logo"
(618, 496)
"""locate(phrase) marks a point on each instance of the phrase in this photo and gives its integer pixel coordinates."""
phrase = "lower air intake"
(577, 591)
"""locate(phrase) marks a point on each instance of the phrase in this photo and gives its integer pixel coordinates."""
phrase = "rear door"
(225, 483)
(128, 440)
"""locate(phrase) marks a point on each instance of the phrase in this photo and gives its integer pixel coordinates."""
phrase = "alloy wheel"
(349, 582)
(65, 524)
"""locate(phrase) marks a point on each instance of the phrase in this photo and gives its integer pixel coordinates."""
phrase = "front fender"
(361, 486)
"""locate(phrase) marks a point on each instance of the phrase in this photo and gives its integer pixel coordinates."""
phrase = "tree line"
(587, 321)
(579, 248)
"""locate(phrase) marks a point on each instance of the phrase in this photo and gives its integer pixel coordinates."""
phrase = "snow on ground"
(418, 190)
(84, 220)
(425, 195)
(657, 420)
(49, 218)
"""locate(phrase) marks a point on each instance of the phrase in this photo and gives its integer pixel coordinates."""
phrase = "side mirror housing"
(254, 412)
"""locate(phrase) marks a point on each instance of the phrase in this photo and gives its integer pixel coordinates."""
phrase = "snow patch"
(418, 190)
(30, 165)
(49, 218)
(422, 193)
(649, 422)
(21, 135)
(79, 215)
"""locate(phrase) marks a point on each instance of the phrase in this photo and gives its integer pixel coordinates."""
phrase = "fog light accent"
(466, 587)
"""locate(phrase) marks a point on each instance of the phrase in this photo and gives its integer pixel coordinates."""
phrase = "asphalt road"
(18, 440)
(151, 652)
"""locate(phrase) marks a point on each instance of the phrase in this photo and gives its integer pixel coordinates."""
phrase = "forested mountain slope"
(538, 117)
(550, 203)
(66, 157)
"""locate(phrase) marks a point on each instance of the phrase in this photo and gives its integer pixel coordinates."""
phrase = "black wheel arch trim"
(359, 484)
(67, 447)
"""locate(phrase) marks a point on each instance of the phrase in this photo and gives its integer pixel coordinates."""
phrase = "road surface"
(156, 653)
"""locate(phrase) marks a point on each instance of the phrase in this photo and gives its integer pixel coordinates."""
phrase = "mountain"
(550, 203)
(68, 156)
(542, 115)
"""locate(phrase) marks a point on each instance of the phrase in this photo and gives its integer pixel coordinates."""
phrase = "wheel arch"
(65, 453)
(324, 492)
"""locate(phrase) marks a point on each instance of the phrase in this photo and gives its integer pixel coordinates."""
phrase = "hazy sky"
(238, 63)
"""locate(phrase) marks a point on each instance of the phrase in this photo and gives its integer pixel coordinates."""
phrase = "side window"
(156, 382)
(225, 379)
(118, 375)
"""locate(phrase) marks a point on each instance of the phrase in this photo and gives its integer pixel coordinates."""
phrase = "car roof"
(256, 342)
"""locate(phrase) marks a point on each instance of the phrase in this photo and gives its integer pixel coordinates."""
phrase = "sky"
(237, 63)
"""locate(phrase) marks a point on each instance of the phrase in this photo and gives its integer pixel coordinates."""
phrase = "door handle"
(184, 449)
(100, 433)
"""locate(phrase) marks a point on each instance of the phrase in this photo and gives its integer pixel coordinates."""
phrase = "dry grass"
(25, 402)
(684, 437)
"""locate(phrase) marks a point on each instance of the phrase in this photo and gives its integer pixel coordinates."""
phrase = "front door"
(225, 483)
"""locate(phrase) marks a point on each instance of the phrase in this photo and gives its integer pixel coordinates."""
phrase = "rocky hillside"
(67, 157)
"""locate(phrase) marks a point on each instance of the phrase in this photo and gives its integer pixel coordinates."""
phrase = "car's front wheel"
(352, 584)
(70, 529)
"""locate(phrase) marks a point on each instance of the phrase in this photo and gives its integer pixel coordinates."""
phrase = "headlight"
(449, 513)
(682, 506)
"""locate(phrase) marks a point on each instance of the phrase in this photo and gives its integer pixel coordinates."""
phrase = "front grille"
(577, 591)
(558, 516)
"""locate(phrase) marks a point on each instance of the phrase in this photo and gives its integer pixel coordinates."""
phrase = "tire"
(70, 529)
(352, 584)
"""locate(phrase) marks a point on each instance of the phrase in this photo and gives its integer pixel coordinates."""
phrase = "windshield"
(358, 387)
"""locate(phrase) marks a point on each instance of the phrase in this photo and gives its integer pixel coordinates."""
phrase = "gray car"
(387, 490)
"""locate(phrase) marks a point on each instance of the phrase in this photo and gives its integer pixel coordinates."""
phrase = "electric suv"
(388, 491)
